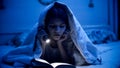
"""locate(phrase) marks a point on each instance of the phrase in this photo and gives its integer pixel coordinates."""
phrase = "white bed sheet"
(110, 54)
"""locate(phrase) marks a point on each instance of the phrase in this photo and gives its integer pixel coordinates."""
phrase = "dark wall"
(119, 19)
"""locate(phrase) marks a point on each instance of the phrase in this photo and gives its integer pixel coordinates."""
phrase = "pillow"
(18, 39)
(24, 38)
(98, 36)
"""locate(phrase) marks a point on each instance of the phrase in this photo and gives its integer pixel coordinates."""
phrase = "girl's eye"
(61, 26)
(52, 26)
(55, 26)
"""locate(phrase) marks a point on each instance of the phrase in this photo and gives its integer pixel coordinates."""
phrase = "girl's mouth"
(57, 35)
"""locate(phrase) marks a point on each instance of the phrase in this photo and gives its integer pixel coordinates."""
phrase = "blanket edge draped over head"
(78, 35)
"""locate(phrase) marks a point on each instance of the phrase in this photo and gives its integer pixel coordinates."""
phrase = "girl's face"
(56, 28)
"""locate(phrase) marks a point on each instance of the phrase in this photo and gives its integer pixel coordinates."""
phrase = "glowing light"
(47, 41)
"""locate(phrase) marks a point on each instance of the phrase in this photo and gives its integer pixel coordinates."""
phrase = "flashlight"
(46, 39)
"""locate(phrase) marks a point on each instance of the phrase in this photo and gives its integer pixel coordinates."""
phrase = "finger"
(64, 36)
(67, 32)
(45, 37)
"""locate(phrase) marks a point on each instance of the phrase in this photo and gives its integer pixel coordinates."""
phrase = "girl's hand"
(43, 40)
(42, 36)
(64, 37)
(61, 48)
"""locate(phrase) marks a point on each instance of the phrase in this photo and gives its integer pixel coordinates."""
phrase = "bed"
(110, 54)
(105, 41)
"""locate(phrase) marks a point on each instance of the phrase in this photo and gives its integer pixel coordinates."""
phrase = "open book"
(40, 63)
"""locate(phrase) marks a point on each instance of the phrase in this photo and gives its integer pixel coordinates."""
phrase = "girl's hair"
(57, 11)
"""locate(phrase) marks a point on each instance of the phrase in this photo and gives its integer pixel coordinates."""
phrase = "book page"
(58, 63)
(41, 60)
(40, 63)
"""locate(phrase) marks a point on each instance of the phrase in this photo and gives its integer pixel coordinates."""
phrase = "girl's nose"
(57, 29)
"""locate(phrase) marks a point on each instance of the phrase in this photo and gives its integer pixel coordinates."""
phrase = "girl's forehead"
(56, 21)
